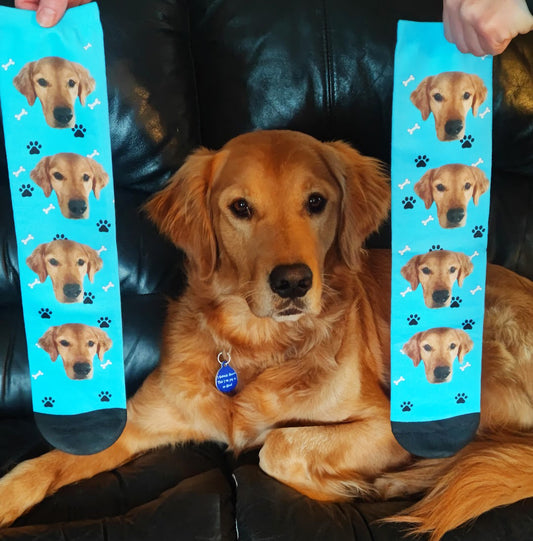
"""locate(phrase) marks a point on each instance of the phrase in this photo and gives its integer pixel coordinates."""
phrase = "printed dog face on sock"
(436, 272)
(449, 96)
(438, 348)
(57, 83)
(72, 177)
(451, 187)
(76, 344)
(67, 263)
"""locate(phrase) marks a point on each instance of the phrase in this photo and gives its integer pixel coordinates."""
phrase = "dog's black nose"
(63, 115)
(441, 373)
(455, 216)
(82, 370)
(77, 207)
(440, 296)
(291, 281)
(72, 291)
(453, 127)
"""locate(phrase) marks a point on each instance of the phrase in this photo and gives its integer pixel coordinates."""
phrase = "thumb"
(50, 12)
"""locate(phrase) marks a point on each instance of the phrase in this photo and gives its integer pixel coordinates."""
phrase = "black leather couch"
(184, 73)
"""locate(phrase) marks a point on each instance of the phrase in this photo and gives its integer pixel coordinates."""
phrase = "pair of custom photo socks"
(55, 115)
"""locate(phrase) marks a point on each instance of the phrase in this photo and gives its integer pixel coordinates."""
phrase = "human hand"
(485, 27)
(49, 12)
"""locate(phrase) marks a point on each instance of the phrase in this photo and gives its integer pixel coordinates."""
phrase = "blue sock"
(441, 166)
(55, 115)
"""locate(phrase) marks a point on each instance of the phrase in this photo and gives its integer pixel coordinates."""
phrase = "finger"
(50, 12)
(27, 4)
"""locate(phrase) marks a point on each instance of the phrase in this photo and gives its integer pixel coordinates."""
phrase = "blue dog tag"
(226, 378)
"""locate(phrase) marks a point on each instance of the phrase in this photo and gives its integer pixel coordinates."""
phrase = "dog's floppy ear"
(420, 97)
(101, 178)
(36, 262)
(182, 212)
(465, 344)
(104, 342)
(86, 85)
(39, 175)
(423, 188)
(412, 349)
(481, 183)
(48, 343)
(94, 264)
(480, 93)
(365, 193)
(465, 267)
(410, 272)
(24, 84)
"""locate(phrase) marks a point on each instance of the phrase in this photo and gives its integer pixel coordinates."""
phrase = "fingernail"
(46, 17)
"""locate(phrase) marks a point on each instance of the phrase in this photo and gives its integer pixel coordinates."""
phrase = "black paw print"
(45, 313)
(413, 319)
(34, 147)
(105, 396)
(421, 161)
(406, 406)
(466, 141)
(26, 190)
(60, 236)
(48, 402)
(103, 226)
(409, 202)
(79, 130)
(468, 324)
(436, 247)
(456, 302)
(104, 322)
(460, 398)
(88, 298)
(478, 231)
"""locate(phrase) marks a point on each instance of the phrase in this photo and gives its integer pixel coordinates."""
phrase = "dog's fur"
(76, 344)
(57, 83)
(72, 177)
(449, 96)
(67, 262)
(313, 357)
(451, 187)
(436, 271)
(438, 348)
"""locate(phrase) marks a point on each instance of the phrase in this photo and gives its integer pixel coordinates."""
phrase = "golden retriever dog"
(273, 226)
(438, 348)
(449, 96)
(76, 344)
(451, 187)
(67, 262)
(72, 177)
(436, 272)
(57, 83)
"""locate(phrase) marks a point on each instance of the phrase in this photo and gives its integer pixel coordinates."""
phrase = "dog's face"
(72, 177)
(76, 344)
(436, 272)
(451, 187)
(57, 83)
(266, 216)
(449, 96)
(437, 349)
(66, 262)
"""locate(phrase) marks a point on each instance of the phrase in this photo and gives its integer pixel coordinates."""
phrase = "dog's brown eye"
(316, 203)
(452, 270)
(86, 177)
(466, 95)
(80, 262)
(468, 186)
(427, 347)
(58, 176)
(42, 82)
(438, 97)
(241, 209)
(426, 270)
(452, 346)
(65, 343)
(441, 187)
(71, 83)
(90, 343)
(53, 261)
